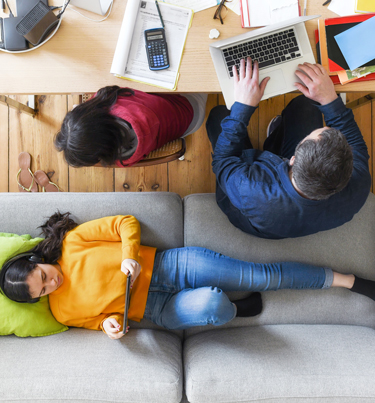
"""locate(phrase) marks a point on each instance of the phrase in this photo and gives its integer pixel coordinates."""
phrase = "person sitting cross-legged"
(308, 178)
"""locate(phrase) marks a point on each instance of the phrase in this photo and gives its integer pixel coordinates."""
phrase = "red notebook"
(335, 79)
(334, 26)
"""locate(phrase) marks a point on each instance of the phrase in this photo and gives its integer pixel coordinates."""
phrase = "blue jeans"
(187, 285)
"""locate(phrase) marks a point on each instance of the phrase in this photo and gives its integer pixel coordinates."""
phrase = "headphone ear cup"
(36, 259)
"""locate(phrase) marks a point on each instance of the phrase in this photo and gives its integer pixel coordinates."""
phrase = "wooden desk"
(79, 57)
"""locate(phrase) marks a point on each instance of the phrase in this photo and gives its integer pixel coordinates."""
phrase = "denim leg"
(192, 307)
(187, 285)
(194, 267)
(300, 117)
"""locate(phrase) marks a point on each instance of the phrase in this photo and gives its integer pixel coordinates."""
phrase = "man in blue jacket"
(310, 178)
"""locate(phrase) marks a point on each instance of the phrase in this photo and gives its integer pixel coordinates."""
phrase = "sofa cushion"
(348, 249)
(85, 365)
(160, 213)
(281, 363)
(24, 319)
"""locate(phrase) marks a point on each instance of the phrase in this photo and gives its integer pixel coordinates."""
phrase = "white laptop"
(95, 6)
(279, 48)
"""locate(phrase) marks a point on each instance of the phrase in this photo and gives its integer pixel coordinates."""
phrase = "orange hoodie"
(94, 285)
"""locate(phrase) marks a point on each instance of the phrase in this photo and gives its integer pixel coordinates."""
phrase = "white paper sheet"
(266, 12)
(195, 5)
(130, 59)
(234, 5)
(342, 7)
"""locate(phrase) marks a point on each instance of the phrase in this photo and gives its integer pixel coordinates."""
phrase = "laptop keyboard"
(269, 50)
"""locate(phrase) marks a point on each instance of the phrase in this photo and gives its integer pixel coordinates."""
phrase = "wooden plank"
(90, 179)
(352, 96)
(194, 174)
(360, 101)
(52, 109)
(22, 138)
(362, 116)
(35, 135)
(4, 149)
(22, 107)
(143, 179)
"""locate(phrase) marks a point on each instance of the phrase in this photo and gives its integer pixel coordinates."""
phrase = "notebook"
(364, 6)
(356, 44)
(130, 58)
(279, 48)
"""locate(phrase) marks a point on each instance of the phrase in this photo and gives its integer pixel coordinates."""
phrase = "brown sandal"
(43, 181)
(25, 178)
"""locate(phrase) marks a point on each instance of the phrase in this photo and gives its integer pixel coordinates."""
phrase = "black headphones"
(31, 257)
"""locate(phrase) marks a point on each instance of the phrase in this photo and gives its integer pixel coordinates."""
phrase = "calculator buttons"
(157, 54)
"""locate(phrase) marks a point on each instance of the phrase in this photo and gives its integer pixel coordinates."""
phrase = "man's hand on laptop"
(247, 89)
(318, 85)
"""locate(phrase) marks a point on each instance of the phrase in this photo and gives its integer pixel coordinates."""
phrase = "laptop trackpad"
(276, 83)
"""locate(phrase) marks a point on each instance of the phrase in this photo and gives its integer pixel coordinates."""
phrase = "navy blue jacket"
(260, 198)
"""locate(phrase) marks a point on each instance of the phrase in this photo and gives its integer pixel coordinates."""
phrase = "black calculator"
(156, 48)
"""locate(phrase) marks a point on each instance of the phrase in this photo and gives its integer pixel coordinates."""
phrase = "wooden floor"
(20, 132)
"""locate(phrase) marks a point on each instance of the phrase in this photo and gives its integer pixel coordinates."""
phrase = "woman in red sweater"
(121, 126)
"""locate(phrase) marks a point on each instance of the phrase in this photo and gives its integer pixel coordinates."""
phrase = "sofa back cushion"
(160, 214)
(347, 249)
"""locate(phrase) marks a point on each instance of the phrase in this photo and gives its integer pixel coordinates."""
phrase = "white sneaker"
(274, 124)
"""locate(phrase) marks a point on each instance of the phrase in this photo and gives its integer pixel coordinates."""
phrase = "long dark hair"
(90, 134)
(13, 278)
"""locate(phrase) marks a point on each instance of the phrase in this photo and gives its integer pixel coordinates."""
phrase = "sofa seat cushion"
(281, 363)
(85, 365)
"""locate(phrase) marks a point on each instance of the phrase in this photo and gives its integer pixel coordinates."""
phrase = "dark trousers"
(299, 118)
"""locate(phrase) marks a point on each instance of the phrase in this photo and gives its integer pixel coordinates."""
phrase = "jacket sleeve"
(227, 165)
(339, 117)
(113, 229)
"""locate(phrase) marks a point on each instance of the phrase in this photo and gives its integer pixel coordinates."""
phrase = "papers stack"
(130, 59)
(333, 58)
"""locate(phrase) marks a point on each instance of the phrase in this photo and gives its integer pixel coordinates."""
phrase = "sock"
(364, 287)
(250, 306)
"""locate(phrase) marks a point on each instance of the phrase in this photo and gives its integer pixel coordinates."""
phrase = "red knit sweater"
(156, 120)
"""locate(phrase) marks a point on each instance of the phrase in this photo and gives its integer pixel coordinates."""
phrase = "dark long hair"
(13, 278)
(90, 134)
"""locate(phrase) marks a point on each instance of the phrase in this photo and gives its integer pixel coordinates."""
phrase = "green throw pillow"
(24, 319)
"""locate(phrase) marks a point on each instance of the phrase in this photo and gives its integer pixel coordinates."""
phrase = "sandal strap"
(20, 184)
(51, 183)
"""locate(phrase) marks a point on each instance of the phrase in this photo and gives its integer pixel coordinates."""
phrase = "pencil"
(161, 18)
(325, 3)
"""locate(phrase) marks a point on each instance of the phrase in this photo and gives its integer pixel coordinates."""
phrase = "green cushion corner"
(24, 320)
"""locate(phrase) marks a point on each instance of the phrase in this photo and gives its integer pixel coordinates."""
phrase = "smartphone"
(156, 49)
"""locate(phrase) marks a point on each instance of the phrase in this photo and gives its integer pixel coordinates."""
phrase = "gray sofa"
(306, 346)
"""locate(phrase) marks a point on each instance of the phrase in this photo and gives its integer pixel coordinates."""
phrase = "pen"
(161, 18)
(304, 8)
(326, 2)
(3, 5)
